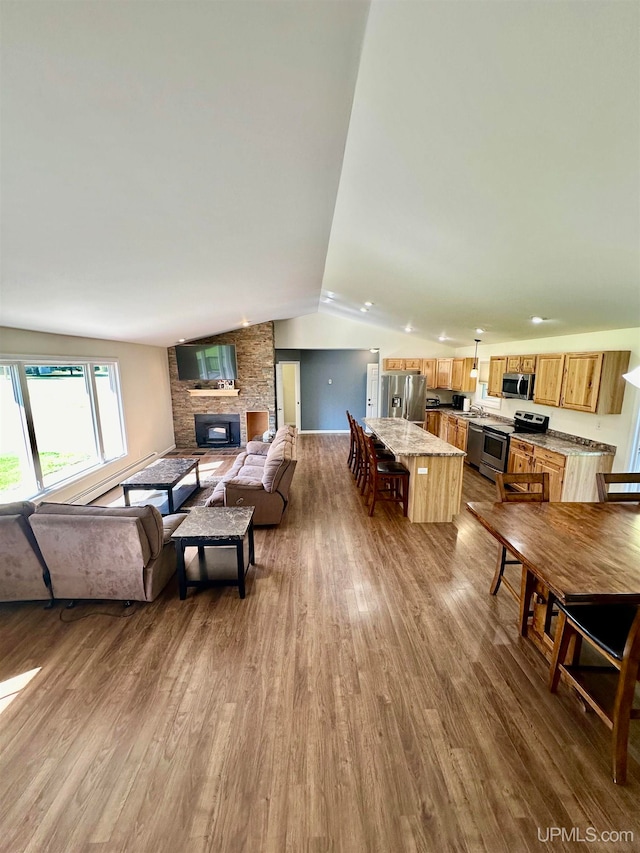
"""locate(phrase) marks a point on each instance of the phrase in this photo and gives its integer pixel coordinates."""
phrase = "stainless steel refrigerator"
(403, 396)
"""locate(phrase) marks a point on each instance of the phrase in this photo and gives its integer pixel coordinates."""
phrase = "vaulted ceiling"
(174, 169)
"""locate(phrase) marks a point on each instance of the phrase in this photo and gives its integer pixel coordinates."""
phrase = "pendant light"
(474, 370)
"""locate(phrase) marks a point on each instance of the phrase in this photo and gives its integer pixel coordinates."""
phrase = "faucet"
(477, 409)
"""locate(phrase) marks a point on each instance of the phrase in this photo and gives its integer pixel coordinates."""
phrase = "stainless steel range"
(495, 443)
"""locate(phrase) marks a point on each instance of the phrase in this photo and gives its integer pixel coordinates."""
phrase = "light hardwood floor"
(367, 695)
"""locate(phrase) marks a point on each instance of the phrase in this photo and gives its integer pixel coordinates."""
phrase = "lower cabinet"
(572, 477)
(432, 422)
(454, 430)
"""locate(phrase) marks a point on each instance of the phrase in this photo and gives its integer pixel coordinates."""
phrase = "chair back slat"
(603, 481)
(505, 484)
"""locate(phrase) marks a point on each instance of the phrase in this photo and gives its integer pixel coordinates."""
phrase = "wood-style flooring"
(368, 696)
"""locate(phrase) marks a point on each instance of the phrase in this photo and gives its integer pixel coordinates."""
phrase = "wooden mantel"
(213, 392)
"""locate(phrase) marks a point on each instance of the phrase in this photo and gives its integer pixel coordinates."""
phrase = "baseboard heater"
(113, 479)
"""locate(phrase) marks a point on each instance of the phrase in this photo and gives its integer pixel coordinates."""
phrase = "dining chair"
(517, 488)
(387, 479)
(353, 442)
(603, 481)
(364, 467)
(613, 630)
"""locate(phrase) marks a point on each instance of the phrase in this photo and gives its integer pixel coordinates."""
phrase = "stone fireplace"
(217, 431)
(253, 404)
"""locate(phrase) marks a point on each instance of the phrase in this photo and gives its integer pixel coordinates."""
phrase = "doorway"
(288, 393)
(373, 371)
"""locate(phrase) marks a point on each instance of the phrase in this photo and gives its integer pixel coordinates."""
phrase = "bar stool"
(613, 630)
(363, 471)
(387, 478)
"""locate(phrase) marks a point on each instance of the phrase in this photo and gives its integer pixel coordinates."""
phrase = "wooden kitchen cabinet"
(592, 382)
(443, 426)
(548, 383)
(521, 364)
(393, 363)
(429, 369)
(554, 465)
(456, 431)
(520, 460)
(460, 378)
(413, 364)
(497, 369)
(432, 422)
(444, 371)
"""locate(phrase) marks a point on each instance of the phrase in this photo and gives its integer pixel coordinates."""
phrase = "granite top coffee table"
(167, 475)
(224, 530)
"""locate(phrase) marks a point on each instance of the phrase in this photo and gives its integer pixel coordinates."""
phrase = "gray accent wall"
(323, 403)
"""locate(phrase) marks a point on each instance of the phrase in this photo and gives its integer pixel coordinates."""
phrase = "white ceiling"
(172, 169)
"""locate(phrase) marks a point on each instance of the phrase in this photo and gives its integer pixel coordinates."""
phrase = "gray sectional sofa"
(23, 572)
(95, 552)
(261, 476)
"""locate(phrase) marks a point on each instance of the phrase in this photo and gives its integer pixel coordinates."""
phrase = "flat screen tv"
(206, 361)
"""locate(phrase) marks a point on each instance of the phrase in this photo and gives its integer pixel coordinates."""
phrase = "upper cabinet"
(593, 382)
(444, 372)
(393, 363)
(548, 383)
(413, 364)
(429, 369)
(497, 369)
(521, 364)
(402, 363)
(584, 381)
(460, 378)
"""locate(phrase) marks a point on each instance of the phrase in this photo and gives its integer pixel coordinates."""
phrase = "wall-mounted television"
(206, 361)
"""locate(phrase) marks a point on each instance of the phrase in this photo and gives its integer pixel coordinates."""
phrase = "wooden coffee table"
(166, 475)
(223, 531)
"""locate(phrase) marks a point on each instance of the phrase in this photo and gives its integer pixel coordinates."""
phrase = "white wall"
(618, 430)
(146, 399)
(326, 331)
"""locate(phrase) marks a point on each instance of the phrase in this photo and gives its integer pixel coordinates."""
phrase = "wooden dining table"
(575, 552)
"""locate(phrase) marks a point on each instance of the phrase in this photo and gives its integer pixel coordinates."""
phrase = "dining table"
(573, 552)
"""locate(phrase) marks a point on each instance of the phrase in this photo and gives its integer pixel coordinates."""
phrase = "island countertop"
(406, 439)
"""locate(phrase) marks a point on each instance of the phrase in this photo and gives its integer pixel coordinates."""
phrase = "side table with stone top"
(168, 475)
(223, 530)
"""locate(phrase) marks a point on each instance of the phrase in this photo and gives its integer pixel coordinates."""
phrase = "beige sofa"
(23, 572)
(261, 476)
(122, 553)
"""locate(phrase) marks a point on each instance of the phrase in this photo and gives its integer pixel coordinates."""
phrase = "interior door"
(373, 372)
(288, 393)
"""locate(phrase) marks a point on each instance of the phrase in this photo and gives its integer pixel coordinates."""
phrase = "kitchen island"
(435, 468)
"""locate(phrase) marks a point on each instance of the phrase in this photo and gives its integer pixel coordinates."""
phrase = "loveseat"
(122, 553)
(23, 572)
(261, 476)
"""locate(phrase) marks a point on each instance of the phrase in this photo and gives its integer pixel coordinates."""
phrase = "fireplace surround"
(216, 431)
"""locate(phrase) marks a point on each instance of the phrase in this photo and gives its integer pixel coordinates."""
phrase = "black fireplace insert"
(217, 430)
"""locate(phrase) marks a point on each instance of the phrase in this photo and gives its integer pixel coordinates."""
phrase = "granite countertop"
(406, 439)
(556, 442)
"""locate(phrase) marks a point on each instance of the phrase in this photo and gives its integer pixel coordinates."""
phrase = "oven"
(495, 451)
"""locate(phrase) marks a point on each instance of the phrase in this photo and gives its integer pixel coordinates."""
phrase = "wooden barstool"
(353, 443)
(517, 488)
(363, 469)
(613, 630)
(387, 478)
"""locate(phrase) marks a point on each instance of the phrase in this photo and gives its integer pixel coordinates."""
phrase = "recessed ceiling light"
(330, 294)
(479, 331)
(245, 323)
(443, 338)
(364, 310)
(327, 299)
(408, 329)
(538, 319)
(181, 340)
(369, 304)
(375, 349)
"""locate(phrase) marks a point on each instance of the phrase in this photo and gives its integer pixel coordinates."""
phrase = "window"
(58, 421)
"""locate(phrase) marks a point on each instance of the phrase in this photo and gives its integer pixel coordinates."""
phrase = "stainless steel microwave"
(518, 385)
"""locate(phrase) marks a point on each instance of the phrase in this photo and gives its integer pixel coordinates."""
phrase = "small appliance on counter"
(432, 402)
(457, 401)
